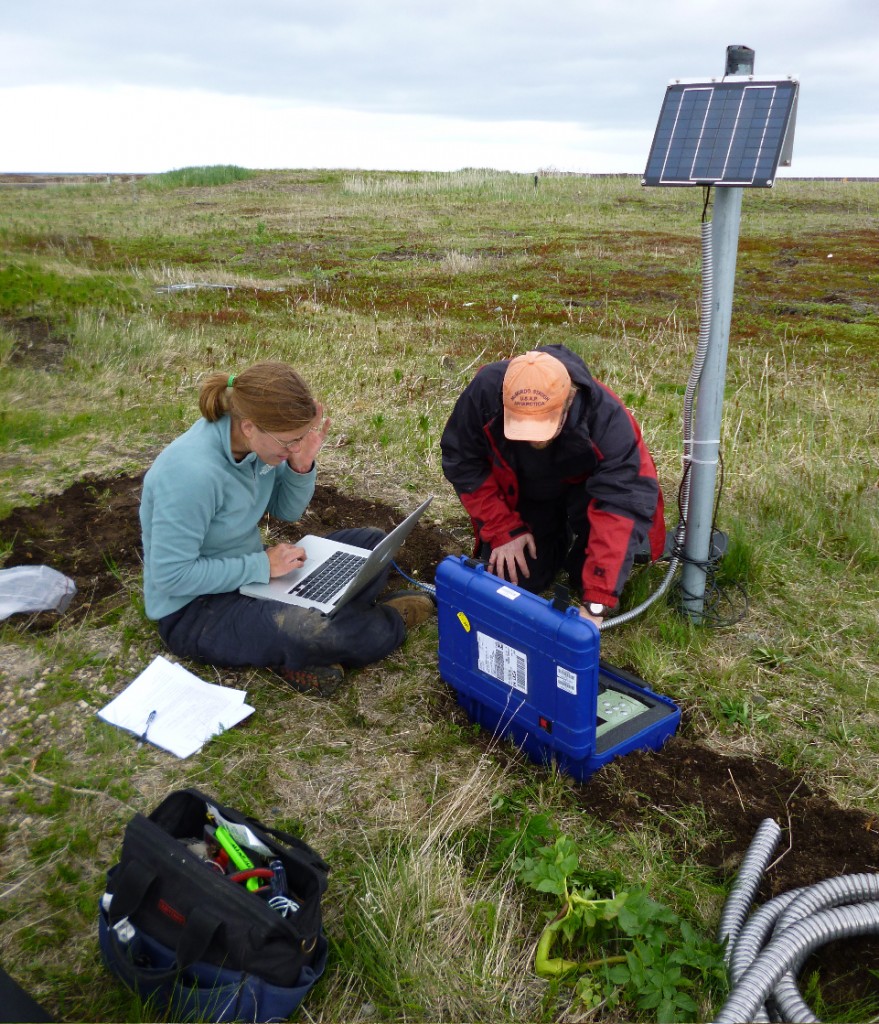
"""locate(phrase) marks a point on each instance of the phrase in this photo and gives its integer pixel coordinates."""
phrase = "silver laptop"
(334, 572)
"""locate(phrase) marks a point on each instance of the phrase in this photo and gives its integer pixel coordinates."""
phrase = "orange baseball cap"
(536, 387)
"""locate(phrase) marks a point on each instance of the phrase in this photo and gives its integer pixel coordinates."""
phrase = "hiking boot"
(318, 680)
(414, 606)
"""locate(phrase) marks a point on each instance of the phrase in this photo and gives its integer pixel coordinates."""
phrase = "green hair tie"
(231, 380)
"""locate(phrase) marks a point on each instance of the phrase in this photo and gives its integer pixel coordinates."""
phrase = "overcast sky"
(521, 85)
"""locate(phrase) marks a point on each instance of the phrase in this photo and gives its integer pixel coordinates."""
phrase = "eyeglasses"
(295, 444)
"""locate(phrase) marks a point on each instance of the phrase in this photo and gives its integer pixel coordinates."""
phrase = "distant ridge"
(42, 180)
(37, 180)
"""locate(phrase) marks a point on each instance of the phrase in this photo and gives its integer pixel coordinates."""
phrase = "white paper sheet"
(173, 709)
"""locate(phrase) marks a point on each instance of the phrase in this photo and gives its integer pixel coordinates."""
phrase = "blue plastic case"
(525, 669)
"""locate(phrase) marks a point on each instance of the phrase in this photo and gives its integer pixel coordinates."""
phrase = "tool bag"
(214, 937)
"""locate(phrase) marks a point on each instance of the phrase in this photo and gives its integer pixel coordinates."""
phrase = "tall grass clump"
(470, 179)
(419, 919)
(424, 935)
(201, 177)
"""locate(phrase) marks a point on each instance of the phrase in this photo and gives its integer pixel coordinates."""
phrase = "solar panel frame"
(727, 132)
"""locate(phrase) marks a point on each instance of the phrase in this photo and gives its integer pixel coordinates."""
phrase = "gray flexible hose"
(705, 310)
(762, 973)
(752, 938)
(858, 892)
(793, 946)
(738, 903)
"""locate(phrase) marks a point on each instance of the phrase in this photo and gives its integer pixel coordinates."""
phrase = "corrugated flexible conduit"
(706, 302)
(763, 973)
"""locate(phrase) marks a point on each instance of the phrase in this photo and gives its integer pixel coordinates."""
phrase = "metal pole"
(705, 448)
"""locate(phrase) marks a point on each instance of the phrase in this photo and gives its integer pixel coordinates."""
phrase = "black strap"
(202, 925)
(134, 974)
(131, 883)
(16, 1004)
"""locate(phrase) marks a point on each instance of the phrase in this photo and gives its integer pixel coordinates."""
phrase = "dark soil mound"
(821, 839)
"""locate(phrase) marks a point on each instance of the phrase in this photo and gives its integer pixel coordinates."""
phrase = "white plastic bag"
(34, 588)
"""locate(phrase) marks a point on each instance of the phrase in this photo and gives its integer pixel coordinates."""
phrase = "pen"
(150, 719)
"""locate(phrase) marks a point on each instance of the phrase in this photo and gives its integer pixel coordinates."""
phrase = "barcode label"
(566, 680)
(502, 662)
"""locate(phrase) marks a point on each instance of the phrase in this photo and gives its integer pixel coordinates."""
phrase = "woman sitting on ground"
(253, 451)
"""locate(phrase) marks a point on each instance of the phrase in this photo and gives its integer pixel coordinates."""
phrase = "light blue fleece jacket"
(200, 512)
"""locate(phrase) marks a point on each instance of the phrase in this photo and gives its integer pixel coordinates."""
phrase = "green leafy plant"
(621, 946)
(742, 711)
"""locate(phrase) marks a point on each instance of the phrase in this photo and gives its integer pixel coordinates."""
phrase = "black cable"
(722, 604)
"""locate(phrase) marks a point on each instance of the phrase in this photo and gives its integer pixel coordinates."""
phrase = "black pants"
(559, 547)
(16, 1004)
(232, 630)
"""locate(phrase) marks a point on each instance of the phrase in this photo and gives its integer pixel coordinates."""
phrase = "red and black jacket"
(600, 449)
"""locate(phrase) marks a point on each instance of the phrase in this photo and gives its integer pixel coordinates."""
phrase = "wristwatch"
(598, 610)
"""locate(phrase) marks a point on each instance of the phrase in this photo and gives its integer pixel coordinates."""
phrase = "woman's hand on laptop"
(284, 558)
(301, 461)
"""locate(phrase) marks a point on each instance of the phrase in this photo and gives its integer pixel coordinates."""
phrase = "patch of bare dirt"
(36, 343)
(737, 793)
(821, 839)
(91, 533)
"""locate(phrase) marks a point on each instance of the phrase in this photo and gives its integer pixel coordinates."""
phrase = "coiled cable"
(765, 953)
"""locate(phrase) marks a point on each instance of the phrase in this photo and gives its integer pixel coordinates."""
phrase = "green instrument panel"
(615, 708)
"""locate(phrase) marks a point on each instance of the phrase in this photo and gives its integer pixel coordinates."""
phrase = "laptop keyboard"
(339, 569)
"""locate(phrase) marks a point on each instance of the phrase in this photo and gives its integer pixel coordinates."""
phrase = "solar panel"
(729, 132)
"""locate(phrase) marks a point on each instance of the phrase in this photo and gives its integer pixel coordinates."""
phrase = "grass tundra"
(387, 291)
